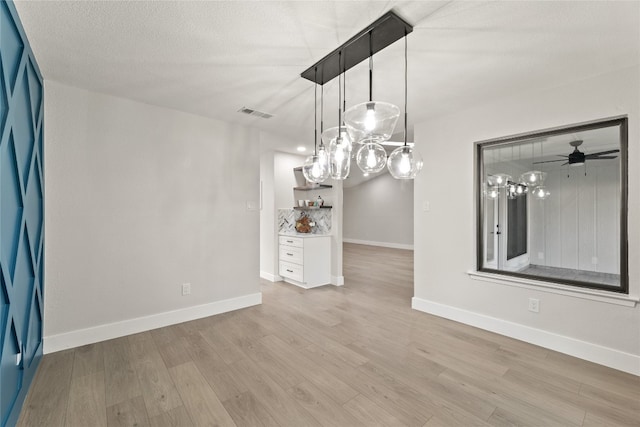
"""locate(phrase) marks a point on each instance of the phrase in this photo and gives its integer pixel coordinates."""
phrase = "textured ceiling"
(211, 58)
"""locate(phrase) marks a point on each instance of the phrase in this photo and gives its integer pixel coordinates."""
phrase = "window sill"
(590, 294)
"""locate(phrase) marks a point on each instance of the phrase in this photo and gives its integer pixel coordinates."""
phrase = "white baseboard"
(337, 280)
(584, 350)
(271, 277)
(382, 244)
(133, 326)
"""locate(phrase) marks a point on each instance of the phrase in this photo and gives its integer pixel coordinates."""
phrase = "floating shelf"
(310, 208)
(311, 187)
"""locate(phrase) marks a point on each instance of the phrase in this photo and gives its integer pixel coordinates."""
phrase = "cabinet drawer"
(291, 241)
(292, 271)
(291, 254)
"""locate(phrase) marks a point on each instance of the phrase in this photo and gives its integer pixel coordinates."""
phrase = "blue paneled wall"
(21, 215)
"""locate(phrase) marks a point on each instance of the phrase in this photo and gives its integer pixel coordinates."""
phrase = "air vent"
(256, 113)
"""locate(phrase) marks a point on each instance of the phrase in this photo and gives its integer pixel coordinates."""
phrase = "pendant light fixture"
(316, 166)
(499, 180)
(340, 144)
(533, 177)
(340, 148)
(491, 192)
(405, 162)
(541, 192)
(372, 121)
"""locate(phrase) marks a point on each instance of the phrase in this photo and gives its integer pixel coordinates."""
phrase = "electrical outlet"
(426, 206)
(540, 255)
(186, 289)
(534, 305)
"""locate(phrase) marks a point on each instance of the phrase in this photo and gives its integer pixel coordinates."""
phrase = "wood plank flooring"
(351, 356)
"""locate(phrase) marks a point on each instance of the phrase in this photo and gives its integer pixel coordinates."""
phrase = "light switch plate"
(186, 289)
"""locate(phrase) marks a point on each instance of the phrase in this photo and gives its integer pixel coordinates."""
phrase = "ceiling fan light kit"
(372, 122)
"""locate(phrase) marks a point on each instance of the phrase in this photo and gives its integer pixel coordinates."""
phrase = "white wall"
(267, 218)
(284, 180)
(277, 180)
(445, 236)
(140, 199)
(578, 227)
(380, 211)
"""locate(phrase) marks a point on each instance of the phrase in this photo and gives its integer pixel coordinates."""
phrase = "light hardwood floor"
(351, 356)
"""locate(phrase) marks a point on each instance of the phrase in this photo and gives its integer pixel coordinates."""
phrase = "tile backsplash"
(287, 220)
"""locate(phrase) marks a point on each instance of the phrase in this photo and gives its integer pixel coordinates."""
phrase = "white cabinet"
(305, 261)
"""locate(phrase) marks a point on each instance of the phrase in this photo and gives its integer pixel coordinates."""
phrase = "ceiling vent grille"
(255, 113)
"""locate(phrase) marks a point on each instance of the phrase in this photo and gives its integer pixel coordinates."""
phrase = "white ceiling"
(211, 58)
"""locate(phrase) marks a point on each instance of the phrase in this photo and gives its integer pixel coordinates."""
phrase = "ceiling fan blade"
(601, 157)
(549, 161)
(561, 155)
(603, 152)
(564, 164)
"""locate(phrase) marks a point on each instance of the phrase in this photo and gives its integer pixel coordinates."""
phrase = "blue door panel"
(21, 215)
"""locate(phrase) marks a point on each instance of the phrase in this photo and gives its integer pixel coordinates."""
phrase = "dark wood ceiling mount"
(384, 31)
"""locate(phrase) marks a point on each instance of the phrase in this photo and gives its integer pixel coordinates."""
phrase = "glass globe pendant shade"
(499, 180)
(330, 135)
(323, 154)
(316, 167)
(371, 157)
(371, 121)
(339, 159)
(491, 192)
(521, 190)
(541, 193)
(533, 178)
(404, 163)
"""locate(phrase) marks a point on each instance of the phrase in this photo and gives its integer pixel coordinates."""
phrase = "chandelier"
(369, 123)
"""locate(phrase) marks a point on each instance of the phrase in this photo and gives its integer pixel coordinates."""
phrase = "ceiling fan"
(577, 157)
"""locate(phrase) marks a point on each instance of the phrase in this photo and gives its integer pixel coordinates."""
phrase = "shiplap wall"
(578, 226)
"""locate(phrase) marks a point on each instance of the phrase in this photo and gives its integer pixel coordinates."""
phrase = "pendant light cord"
(405, 87)
(321, 109)
(339, 95)
(370, 68)
(344, 85)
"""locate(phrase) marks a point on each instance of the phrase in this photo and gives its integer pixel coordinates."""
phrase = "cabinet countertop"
(304, 235)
